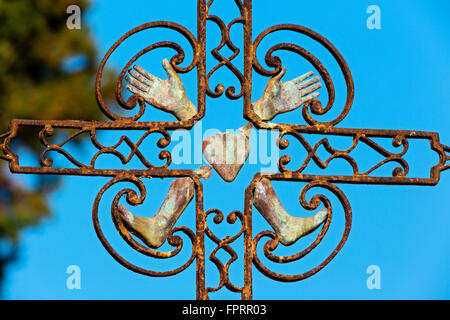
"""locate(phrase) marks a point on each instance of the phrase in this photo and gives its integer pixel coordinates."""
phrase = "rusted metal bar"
(400, 138)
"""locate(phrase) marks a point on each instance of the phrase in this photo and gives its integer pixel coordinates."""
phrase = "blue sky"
(401, 81)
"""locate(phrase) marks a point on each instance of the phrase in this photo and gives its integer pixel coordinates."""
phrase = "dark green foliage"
(35, 43)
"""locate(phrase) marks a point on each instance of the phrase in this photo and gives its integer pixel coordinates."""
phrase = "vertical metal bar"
(248, 57)
(201, 66)
(248, 67)
(247, 293)
(202, 293)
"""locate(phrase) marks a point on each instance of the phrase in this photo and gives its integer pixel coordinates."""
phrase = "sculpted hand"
(280, 97)
(168, 95)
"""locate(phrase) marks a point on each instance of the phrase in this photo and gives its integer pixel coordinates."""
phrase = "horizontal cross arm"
(400, 140)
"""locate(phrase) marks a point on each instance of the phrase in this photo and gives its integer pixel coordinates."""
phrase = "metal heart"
(227, 152)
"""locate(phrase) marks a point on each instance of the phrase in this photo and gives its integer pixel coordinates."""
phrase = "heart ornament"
(227, 152)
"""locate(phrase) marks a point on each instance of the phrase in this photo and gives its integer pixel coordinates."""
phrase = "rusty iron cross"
(187, 185)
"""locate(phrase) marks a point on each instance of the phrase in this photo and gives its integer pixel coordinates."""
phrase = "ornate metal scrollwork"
(275, 62)
(47, 161)
(226, 40)
(177, 59)
(311, 110)
(137, 198)
(313, 204)
(224, 244)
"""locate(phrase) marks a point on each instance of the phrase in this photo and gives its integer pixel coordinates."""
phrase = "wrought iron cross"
(259, 193)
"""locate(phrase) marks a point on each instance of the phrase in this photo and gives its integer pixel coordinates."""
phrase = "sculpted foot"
(153, 231)
(288, 228)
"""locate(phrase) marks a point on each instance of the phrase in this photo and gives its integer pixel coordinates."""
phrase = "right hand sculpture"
(280, 97)
(168, 95)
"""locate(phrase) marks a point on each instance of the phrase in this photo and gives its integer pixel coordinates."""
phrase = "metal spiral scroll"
(224, 245)
(46, 161)
(275, 62)
(225, 40)
(177, 59)
(313, 204)
(398, 141)
(133, 198)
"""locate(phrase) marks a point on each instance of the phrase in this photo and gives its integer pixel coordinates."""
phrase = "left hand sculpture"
(280, 97)
(168, 95)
